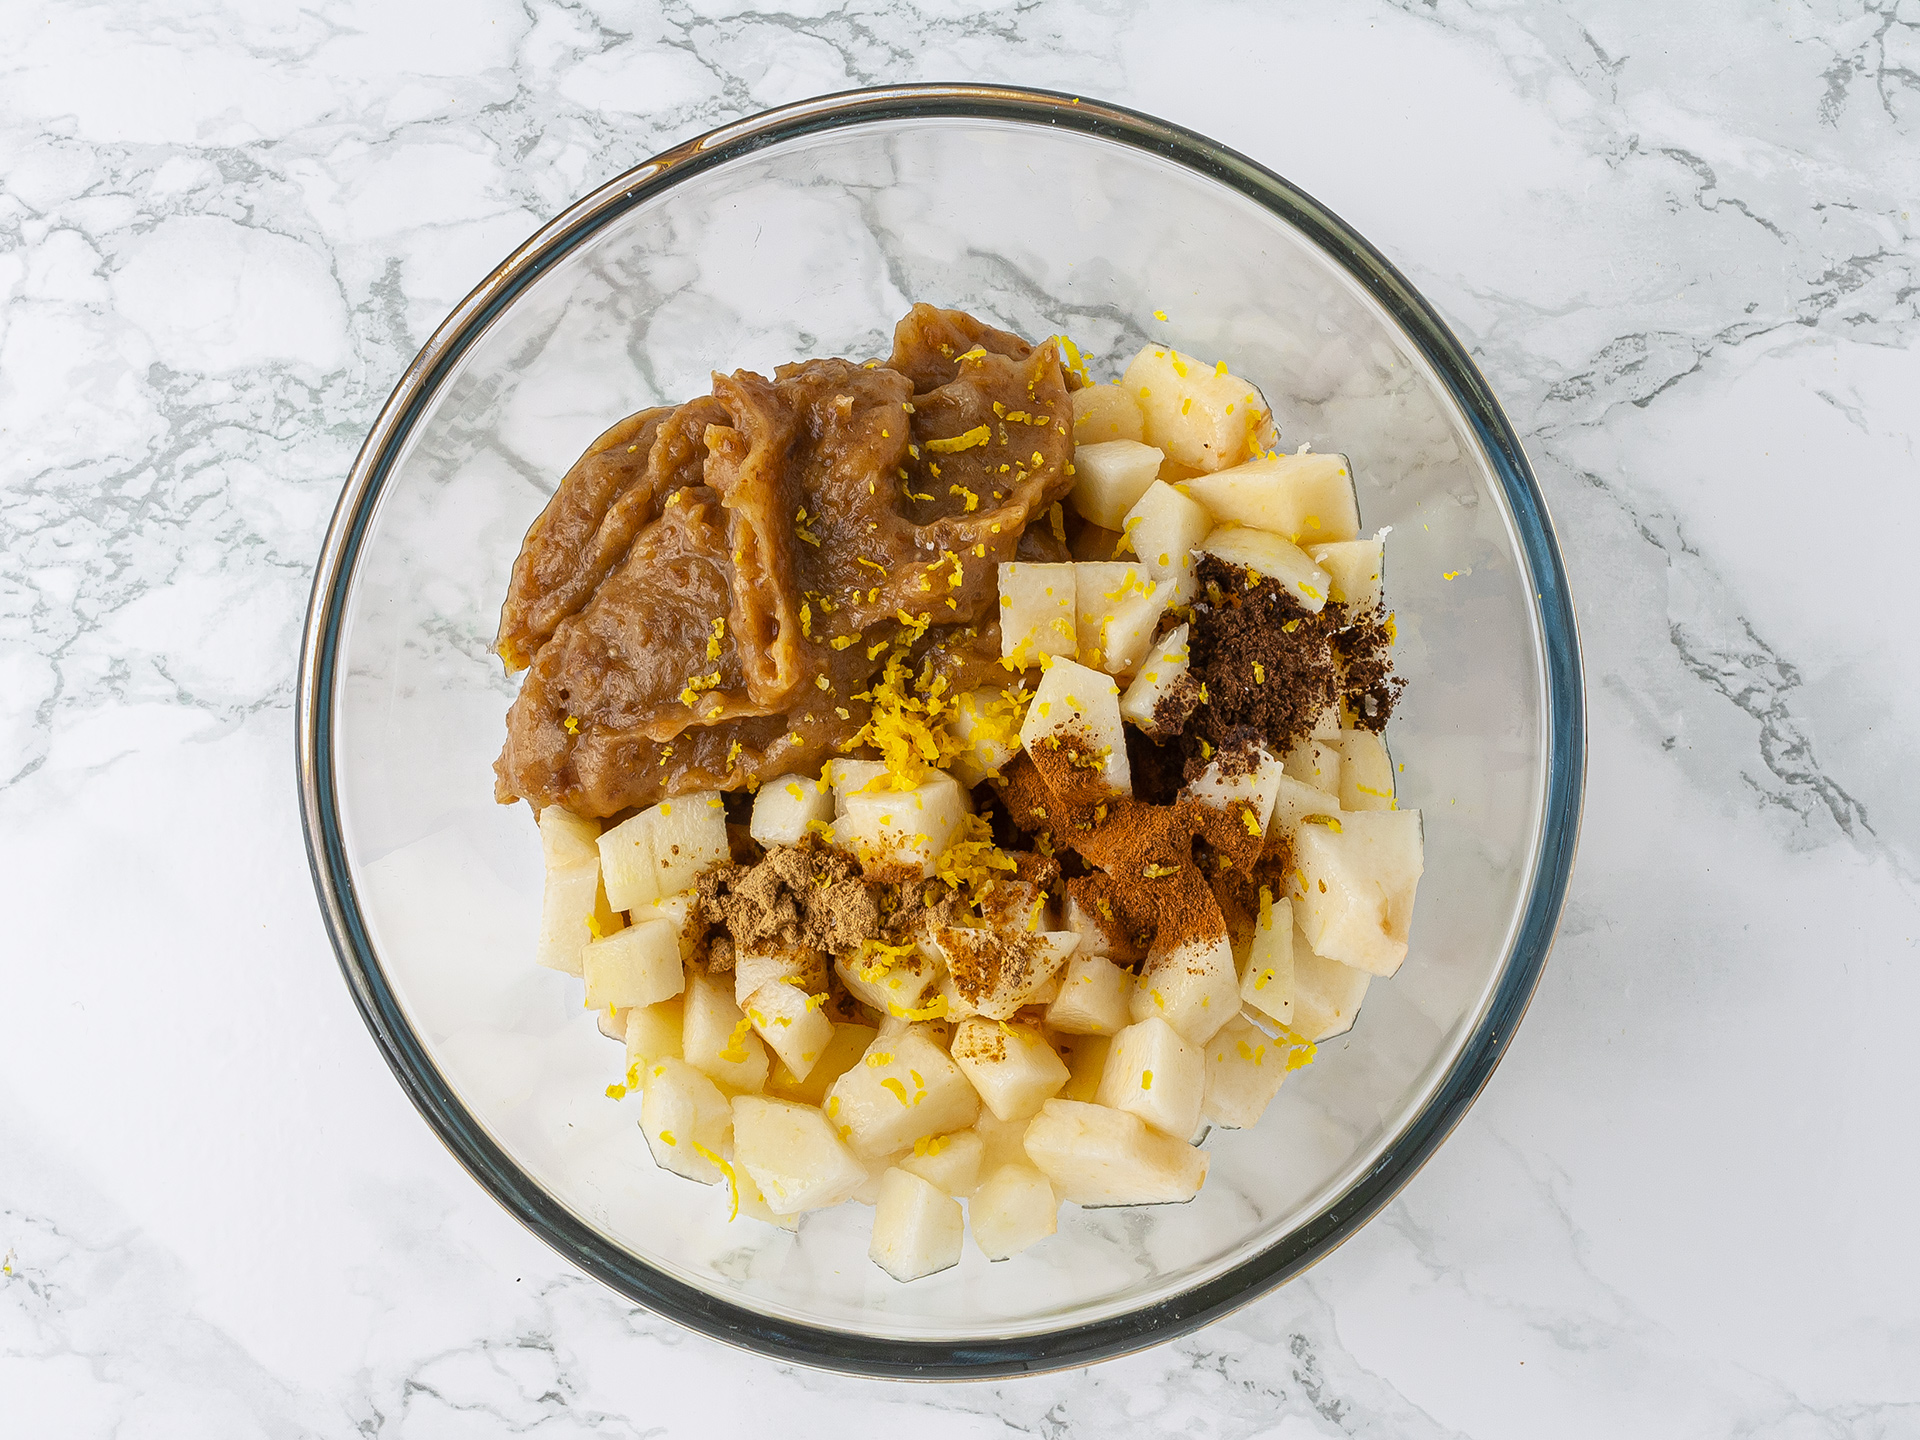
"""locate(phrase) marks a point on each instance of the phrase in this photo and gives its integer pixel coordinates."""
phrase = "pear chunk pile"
(953, 1092)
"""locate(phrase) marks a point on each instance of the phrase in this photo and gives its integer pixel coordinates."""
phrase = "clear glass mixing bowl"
(809, 231)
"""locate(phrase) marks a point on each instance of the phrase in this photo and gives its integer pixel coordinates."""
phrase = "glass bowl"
(808, 231)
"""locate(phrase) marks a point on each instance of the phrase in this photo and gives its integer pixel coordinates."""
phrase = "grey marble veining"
(1681, 243)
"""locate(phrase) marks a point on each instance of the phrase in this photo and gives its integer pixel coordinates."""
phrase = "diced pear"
(1105, 412)
(1072, 700)
(1316, 763)
(901, 1091)
(754, 1205)
(1096, 1155)
(683, 1114)
(1267, 984)
(950, 1161)
(917, 1227)
(994, 973)
(1366, 771)
(762, 966)
(1082, 923)
(1293, 801)
(1003, 1142)
(987, 722)
(689, 834)
(1307, 498)
(1086, 1061)
(793, 1155)
(1015, 904)
(1326, 994)
(1199, 414)
(717, 1038)
(1268, 554)
(892, 1029)
(1244, 1072)
(1256, 787)
(892, 984)
(1036, 611)
(573, 911)
(1195, 988)
(1012, 1066)
(612, 1022)
(1356, 880)
(653, 1032)
(1164, 527)
(663, 850)
(1094, 999)
(792, 1024)
(1109, 477)
(853, 777)
(1153, 1073)
(1118, 605)
(1014, 1208)
(888, 827)
(676, 911)
(639, 965)
(568, 839)
(784, 806)
(1355, 568)
(1165, 662)
(843, 1052)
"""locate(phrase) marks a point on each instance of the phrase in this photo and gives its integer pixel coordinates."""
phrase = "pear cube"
(573, 911)
(987, 722)
(1244, 1071)
(1307, 498)
(1075, 702)
(1095, 1155)
(687, 1121)
(1326, 994)
(1086, 1062)
(1109, 477)
(1316, 763)
(1012, 1066)
(1294, 801)
(1036, 612)
(950, 1161)
(842, 1053)
(663, 850)
(1095, 997)
(676, 911)
(854, 777)
(1013, 1209)
(1356, 878)
(1256, 787)
(1164, 527)
(892, 981)
(717, 1039)
(1118, 605)
(639, 965)
(1267, 983)
(793, 1155)
(653, 1032)
(917, 1227)
(1105, 412)
(1366, 771)
(1158, 672)
(1202, 416)
(1355, 568)
(994, 973)
(784, 806)
(1153, 1073)
(1267, 554)
(1194, 987)
(888, 827)
(806, 969)
(792, 1024)
(567, 839)
(903, 1090)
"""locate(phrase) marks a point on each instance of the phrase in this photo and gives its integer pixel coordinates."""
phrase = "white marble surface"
(1684, 250)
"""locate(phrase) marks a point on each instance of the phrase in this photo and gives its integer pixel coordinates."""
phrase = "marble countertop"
(1683, 249)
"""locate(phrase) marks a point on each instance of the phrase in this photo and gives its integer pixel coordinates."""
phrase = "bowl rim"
(847, 1352)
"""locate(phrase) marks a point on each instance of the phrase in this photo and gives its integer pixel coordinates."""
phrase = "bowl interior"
(816, 246)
